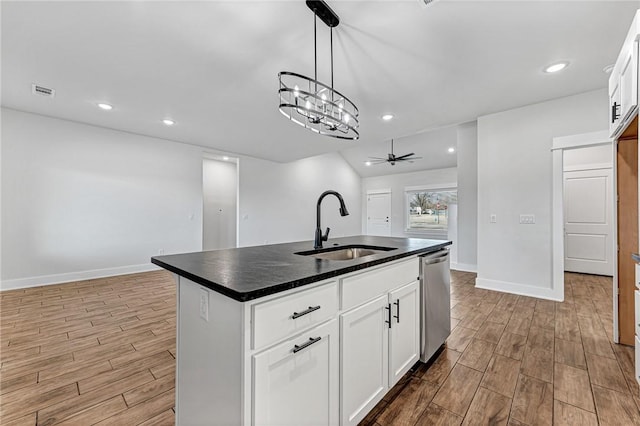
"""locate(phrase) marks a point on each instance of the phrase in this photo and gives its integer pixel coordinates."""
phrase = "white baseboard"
(74, 276)
(464, 267)
(520, 289)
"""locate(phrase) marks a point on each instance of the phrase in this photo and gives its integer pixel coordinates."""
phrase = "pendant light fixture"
(315, 105)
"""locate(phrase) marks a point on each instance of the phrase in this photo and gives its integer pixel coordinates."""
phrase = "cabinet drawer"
(637, 306)
(279, 318)
(360, 288)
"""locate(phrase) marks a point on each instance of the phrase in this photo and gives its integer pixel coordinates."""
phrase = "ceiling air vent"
(43, 91)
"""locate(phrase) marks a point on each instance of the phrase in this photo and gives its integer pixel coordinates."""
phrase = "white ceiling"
(212, 66)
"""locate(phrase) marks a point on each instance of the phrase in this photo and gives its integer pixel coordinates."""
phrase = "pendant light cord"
(315, 49)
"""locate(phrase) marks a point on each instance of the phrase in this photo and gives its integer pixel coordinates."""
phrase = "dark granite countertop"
(635, 257)
(251, 272)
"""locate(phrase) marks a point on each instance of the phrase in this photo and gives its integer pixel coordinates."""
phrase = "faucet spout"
(319, 237)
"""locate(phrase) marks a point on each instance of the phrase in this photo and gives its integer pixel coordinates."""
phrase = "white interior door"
(379, 213)
(588, 221)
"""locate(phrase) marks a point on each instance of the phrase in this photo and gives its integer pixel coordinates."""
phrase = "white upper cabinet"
(623, 83)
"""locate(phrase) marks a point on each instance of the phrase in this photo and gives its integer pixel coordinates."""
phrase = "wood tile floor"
(103, 352)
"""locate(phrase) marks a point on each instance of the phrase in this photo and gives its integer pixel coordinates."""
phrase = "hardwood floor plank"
(153, 388)
(615, 408)
(500, 316)
(460, 338)
(141, 412)
(95, 413)
(511, 345)
(477, 355)
(518, 325)
(458, 390)
(62, 410)
(532, 402)
(488, 408)
(407, 407)
(435, 415)
(490, 331)
(501, 375)
(568, 415)
(606, 372)
(567, 327)
(570, 353)
(571, 385)
(538, 363)
(441, 367)
(166, 418)
(540, 338)
(33, 401)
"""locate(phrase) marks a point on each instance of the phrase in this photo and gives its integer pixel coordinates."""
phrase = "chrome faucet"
(343, 212)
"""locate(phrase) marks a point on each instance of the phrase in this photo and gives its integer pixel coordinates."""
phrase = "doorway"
(219, 203)
(379, 212)
(588, 210)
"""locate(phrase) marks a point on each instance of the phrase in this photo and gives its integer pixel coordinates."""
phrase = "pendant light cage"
(313, 104)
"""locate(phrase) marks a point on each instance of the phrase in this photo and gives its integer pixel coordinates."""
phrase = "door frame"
(366, 209)
(557, 212)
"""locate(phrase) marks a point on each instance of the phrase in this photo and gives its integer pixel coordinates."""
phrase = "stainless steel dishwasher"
(435, 302)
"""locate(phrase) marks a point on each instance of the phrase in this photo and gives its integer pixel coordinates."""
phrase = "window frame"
(408, 192)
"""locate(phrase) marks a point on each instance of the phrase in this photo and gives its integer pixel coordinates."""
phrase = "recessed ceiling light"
(367, 163)
(168, 122)
(225, 158)
(451, 150)
(387, 117)
(608, 69)
(105, 107)
(556, 67)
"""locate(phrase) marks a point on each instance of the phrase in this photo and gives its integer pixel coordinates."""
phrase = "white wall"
(220, 200)
(467, 151)
(514, 177)
(278, 200)
(80, 201)
(83, 201)
(397, 183)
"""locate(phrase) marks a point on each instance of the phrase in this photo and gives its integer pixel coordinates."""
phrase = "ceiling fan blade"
(378, 158)
(404, 156)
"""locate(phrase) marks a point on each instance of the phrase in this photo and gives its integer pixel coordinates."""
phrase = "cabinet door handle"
(305, 312)
(311, 341)
(614, 112)
(397, 316)
(388, 308)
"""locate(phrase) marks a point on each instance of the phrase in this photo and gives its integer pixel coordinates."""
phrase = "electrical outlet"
(204, 304)
(527, 219)
(493, 218)
(160, 251)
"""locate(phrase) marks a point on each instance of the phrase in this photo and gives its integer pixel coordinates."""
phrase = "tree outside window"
(429, 210)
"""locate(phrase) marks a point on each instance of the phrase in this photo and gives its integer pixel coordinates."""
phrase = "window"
(428, 209)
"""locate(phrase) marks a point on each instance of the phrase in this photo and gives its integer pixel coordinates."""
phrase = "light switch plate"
(527, 219)
(493, 218)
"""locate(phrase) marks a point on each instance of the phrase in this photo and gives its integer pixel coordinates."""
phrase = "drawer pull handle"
(311, 341)
(305, 312)
(397, 316)
(615, 114)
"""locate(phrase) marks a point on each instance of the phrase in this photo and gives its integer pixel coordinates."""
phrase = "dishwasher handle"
(436, 259)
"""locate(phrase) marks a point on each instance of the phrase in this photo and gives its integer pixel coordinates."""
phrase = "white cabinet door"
(629, 83)
(614, 104)
(296, 382)
(404, 335)
(364, 350)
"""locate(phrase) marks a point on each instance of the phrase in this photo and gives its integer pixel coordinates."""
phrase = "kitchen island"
(283, 334)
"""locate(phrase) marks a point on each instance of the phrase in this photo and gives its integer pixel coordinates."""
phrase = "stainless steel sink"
(345, 253)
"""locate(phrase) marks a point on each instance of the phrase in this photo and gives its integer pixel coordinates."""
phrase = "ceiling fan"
(392, 158)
